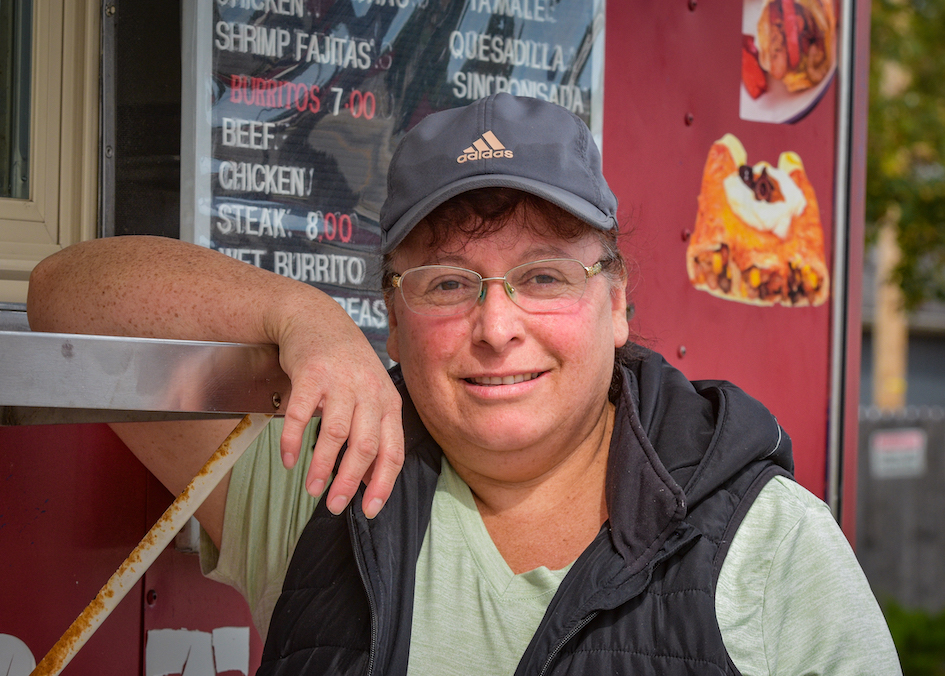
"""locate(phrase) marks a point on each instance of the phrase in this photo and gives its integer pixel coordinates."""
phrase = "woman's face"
(562, 360)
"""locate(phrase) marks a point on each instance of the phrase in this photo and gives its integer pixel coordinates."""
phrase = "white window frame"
(63, 153)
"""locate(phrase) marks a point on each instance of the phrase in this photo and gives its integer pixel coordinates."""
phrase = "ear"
(618, 308)
(393, 349)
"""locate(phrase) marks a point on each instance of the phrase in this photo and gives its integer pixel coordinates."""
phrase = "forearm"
(159, 287)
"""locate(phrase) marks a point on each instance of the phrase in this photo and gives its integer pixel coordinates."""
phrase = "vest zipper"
(571, 634)
(362, 570)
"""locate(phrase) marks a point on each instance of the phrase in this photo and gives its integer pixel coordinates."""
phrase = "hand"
(336, 373)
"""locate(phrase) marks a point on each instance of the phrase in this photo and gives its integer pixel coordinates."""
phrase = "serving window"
(48, 133)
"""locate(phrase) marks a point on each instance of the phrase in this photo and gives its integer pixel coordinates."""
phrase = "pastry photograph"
(758, 236)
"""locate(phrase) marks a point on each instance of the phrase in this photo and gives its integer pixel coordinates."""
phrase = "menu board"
(298, 106)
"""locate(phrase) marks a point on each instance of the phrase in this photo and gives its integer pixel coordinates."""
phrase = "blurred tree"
(905, 178)
(919, 638)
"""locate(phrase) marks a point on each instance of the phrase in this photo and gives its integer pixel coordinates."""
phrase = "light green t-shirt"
(791, 598)
(462, 577)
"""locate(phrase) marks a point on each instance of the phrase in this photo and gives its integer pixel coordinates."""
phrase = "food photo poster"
(789, 57)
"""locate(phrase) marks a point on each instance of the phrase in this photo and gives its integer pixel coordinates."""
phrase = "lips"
(503, 380)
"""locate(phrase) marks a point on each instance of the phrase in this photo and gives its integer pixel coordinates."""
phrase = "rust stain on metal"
(61, 653)
(226, 446)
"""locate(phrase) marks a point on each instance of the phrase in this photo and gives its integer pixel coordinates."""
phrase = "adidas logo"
(485, 147)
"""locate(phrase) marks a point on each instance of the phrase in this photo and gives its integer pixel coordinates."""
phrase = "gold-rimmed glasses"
(539, 286)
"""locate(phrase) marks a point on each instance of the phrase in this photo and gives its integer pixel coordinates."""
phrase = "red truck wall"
(73, 504)
(673, 72)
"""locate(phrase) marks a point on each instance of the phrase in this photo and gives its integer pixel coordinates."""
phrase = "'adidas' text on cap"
(486, 146)
(499, 141)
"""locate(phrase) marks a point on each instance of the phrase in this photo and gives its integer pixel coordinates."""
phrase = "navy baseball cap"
(499, 141)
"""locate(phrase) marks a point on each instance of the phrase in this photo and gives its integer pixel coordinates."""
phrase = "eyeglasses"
(540, 286)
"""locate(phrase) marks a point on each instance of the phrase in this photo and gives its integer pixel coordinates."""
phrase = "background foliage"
(919, 638)
(906, 146)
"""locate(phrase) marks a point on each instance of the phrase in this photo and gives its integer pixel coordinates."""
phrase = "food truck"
(733, 135)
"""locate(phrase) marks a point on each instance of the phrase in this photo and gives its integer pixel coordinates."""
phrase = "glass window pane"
(15, 51)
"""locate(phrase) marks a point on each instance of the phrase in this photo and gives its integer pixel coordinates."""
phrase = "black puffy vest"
(686, 462)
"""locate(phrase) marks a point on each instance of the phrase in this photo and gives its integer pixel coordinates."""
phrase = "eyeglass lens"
(538, 286)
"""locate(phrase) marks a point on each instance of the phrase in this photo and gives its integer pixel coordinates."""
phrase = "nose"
(497, 321)
(483, 287)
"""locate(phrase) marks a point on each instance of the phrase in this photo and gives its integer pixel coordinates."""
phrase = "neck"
(546, 514)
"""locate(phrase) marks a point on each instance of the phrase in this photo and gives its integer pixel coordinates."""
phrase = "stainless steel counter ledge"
(48, 378)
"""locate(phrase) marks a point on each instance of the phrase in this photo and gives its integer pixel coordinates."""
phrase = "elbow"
(40, 295)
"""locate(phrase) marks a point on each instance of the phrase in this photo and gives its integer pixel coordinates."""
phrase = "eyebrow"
(531, 254)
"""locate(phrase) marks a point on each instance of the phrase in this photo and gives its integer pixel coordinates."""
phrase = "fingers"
(369, 421)
(374, 455)
(386, 467)
(332, 434)
(298, 414)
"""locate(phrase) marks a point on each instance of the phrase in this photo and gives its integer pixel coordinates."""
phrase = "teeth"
(504, 380)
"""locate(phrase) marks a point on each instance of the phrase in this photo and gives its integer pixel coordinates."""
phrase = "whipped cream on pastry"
(770, 216)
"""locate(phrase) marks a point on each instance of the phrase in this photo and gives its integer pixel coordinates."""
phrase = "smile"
(503, 380)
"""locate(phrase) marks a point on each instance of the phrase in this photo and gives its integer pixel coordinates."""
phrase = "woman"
(566, 504)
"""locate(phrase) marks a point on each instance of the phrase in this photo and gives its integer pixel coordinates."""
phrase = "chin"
(488, 433)
(510, 437)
